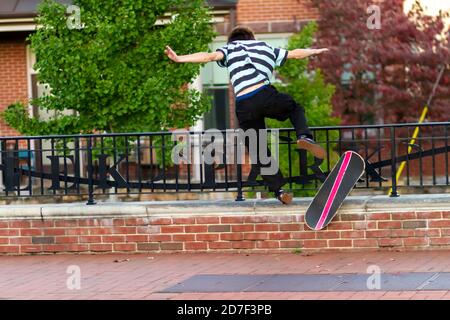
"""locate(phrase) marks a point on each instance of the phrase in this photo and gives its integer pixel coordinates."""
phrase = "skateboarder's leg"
(250, 116)
(298, 119)
(282, 106)
(275, 181)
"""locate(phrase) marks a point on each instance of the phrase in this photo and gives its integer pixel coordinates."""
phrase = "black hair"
(241, 33)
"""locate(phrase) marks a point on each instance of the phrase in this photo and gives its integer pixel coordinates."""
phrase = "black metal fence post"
(393, 164)
(240, 195)
(238, 156)
(90, 167)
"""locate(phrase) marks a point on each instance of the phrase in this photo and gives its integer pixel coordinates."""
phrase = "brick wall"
(227, 233)
(271, 16)
(274, 10)
(275, 15)
(13, 75)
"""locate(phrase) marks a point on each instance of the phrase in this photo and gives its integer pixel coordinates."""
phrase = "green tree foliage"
(309, 89)
(112, 72)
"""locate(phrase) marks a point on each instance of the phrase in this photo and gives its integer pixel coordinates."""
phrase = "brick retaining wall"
(178, 228)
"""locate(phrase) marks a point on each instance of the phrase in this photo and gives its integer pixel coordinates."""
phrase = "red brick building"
(13, 74)
(273, 15)
(272, 20)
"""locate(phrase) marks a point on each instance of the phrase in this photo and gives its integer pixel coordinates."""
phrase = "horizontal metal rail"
(93, 165)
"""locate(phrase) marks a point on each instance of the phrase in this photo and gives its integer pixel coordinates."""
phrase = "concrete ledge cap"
(353, 204)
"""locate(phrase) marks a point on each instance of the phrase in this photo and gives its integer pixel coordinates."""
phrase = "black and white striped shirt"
(250, 62)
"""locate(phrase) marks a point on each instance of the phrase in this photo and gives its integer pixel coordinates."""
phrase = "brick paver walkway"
(143, 276)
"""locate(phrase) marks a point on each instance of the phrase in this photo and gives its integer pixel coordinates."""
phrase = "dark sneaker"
(284, 197)
(311, 146)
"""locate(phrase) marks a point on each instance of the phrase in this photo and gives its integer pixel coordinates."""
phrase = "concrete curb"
(353, 204)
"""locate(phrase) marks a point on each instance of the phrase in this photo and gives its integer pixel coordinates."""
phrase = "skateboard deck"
(333, 191)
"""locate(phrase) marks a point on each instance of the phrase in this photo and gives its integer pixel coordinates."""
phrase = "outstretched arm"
(304, 53)
(200, 57)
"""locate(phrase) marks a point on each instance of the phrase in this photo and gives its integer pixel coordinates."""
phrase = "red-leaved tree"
(383, 75)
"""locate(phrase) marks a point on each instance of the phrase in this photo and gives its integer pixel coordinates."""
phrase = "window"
(40, 89)
(215, 84)
(219, 115)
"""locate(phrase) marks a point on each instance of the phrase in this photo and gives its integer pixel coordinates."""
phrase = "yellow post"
(416, 130)
(411, 142)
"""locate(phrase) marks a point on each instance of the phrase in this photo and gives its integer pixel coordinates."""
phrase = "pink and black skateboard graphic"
(336, 187)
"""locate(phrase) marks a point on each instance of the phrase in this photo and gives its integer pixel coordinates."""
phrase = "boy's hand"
(319, 51)
(171, 54)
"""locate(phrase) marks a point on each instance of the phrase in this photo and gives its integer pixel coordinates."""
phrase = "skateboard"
(333, 191)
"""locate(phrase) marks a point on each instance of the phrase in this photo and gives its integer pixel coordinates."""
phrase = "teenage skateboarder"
(250, 64)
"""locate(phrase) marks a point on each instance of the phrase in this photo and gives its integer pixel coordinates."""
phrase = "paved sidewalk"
(145, 276)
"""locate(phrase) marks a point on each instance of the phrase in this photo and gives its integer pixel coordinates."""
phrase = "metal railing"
(95, 165)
